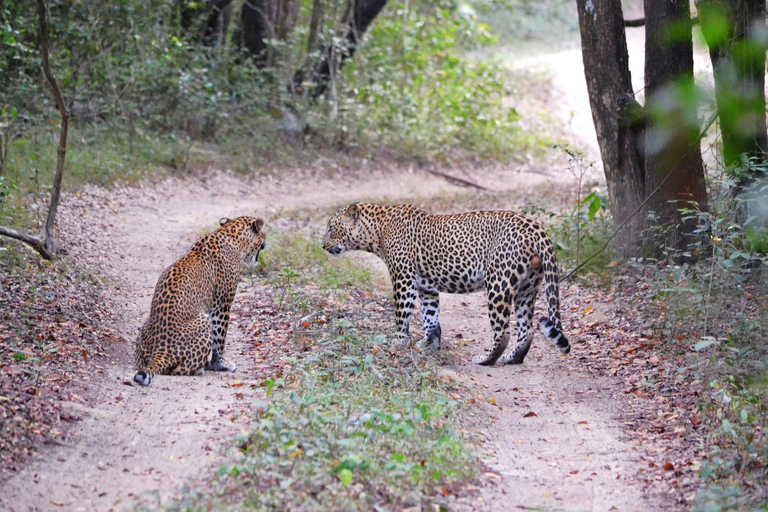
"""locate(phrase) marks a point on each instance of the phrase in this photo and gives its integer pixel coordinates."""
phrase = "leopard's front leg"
(219, 327)
(404, 292)
(430, 312)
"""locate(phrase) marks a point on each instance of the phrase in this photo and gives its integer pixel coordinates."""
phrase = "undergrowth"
(357, 424)
(356, 421)
(718, 303)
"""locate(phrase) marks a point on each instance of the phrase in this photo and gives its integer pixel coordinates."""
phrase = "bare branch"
(35, 243)
(456, 181)
(639, 22)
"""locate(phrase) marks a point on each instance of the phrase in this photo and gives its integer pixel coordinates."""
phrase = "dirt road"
(136, 445)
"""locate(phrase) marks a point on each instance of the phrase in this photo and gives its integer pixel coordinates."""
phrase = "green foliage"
(709, 300)
(580, 235)
(553, 23)
(738, 449)
(413, 87)
(302, 251)
(352, 431)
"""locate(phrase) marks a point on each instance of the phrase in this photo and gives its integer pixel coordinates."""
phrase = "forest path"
(136, 445)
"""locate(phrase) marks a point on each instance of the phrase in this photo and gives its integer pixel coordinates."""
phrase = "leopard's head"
(346, 231)
(247, 233)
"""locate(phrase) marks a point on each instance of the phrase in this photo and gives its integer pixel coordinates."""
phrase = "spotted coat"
(189, 315)
(503, 252)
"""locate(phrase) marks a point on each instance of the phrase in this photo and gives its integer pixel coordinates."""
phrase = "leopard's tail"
(550, 324)
(155, 366)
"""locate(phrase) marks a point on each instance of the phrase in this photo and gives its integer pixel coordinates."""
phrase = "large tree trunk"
(264, 21)
(210, 30)
(738, 59)
(360, 14)
(604, 51)
(673, 164)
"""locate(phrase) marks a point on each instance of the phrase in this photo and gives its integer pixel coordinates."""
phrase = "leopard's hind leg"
(500, 300)
(195, 346)
(162, 362)
(524, 304)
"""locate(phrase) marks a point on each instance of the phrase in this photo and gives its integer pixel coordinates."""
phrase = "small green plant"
(285, 281)
(579, 235)
(354, 433)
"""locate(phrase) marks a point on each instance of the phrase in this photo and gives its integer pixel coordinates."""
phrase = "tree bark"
(50, 237)
(217, 23)
(315, 24)
(673, 161)
(47, 247)
(360, 15)
(604, 51)
(263, 21)
(738, 60)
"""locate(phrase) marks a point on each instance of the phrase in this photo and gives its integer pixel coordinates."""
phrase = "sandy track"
(133, 445)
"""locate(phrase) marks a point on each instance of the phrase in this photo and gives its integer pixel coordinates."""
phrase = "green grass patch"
(357, 424)
(299, 258)
(356, 421)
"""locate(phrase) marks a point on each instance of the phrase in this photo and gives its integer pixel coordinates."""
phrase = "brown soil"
(136, 445)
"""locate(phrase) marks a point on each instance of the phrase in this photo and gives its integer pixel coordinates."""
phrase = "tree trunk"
(217, 23)
(264, 21)
(47, 247)
(738, 60)
(315, 24)
(360, 15)
(212, 30)
(50, 236)
(604, 51)
(673, 164)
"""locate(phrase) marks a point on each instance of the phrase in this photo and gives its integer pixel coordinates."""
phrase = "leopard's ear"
(257, 225)
(223, 221)
(352, 211)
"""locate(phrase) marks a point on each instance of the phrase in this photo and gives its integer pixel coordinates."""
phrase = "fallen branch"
(36, 243)
(457, 181)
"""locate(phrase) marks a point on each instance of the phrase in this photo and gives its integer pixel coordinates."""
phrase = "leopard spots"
(189, 315)
(505, 253)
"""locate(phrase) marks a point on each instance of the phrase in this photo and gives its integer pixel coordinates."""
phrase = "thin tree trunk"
(604, 51)
(47, 247)
(61, 152)
(216, 23)
(315, 24)
(265, 20)
(360, 15)
(738, 60)
(672, 152)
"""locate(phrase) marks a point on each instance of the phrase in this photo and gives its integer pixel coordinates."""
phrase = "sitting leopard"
(189, 316)
(504, 252)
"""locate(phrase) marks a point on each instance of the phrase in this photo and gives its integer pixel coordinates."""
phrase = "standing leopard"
(189, 316)
(506, 253)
